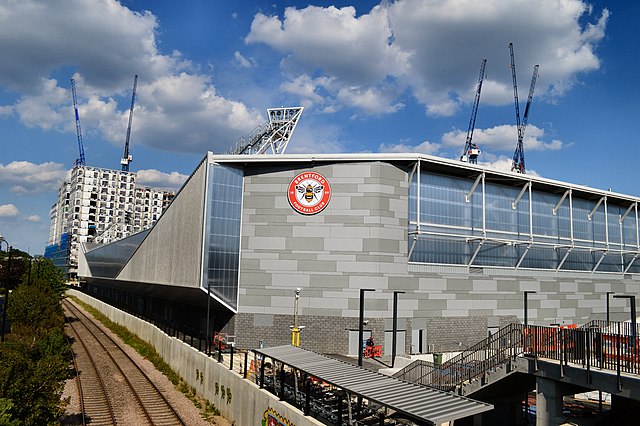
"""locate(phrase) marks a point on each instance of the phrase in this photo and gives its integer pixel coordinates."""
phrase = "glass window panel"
(635, 267)
(580, 260)
(222, 235)
(449, 226)
(496, 254)
(612, 262)
(540, 257)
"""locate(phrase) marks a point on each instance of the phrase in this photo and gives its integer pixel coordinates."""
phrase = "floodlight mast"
(471, 150)
(272, 137)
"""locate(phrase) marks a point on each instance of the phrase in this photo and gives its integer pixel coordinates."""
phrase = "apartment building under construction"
(100, 205)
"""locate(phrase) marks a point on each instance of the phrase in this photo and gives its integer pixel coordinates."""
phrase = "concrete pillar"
(548, 402)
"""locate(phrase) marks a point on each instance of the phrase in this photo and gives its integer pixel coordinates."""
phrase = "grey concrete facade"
(172, 253)
(360, 241)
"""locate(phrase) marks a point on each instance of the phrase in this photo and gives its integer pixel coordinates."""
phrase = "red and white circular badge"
(309, 193)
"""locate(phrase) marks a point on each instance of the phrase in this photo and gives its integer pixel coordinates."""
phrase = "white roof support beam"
(626, 213)
(467, 197)
(593, 211)
(564, 258)
(527, 186)
(413, 245)
(595, 268)
(523, 255)
(564, 196)
(475, 253)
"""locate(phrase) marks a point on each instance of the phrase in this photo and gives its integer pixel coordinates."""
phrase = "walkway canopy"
(414, 402)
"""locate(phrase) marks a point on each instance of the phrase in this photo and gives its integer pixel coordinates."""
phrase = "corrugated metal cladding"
(413, 401)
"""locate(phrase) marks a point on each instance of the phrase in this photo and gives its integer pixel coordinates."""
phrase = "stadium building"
(459, 244)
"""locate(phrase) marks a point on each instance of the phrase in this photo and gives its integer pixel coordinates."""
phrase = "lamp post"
(6, 286)
(361, 324)
(395, 325)
(608, 293)
(526, 305)
(208, 349)
(632, 301)
(295, 329)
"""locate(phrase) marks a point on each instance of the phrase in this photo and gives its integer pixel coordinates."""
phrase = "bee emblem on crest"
(309, 191)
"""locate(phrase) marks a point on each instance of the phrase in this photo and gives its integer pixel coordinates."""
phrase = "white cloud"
(27, 177)
(9, 210)
(310, 139)
(33, 218)
(503, 163)
(433, 49)
(177, 107)
(503, 138)
(425, 147)
(158, 179)
(242, 61)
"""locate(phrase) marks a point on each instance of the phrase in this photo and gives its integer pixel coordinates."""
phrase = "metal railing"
(607, 346)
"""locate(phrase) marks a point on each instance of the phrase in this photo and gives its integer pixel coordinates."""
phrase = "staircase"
(599, 344)
(492, 355)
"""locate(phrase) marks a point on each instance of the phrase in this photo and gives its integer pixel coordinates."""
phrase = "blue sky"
(395, 76)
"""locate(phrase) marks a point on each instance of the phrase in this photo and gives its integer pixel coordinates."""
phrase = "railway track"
(112, 388)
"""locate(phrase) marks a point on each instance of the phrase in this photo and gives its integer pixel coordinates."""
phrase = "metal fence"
(604, 345)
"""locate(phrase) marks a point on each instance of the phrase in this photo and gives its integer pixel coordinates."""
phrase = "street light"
(6, 286)
(608, 293)
(632, 301)
(295, 328)
(526, 297)
(361, 324)
(395, 325)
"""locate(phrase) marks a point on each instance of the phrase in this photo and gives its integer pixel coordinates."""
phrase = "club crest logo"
(309, 193)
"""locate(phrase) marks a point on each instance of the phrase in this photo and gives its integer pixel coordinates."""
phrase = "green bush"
(34, 359)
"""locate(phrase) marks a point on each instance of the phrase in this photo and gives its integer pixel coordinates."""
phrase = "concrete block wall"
(241, 402)
(360, 241)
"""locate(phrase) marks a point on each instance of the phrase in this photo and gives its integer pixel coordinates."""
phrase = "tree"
(35, 357)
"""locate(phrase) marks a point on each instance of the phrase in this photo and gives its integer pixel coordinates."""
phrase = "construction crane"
(126, 158)
(272, 137)
(517, 165)
(471, 150)
(80, 161)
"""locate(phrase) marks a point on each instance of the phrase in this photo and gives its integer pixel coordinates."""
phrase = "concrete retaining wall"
(239, 400)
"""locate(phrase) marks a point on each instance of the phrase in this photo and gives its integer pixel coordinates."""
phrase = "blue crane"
(517, 165)
(471, 150)
(80, 160)
(126, 158)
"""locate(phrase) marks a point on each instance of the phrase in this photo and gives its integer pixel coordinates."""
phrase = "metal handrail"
(614, 347)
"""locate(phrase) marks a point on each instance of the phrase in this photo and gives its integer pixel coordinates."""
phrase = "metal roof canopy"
(416, 402)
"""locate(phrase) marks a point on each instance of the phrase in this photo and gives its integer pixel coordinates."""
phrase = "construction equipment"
(126, 158)
(517, 165)
(471, 150)
(272, 137)
(80, 160)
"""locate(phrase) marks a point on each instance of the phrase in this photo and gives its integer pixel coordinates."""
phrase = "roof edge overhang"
(511, 178)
